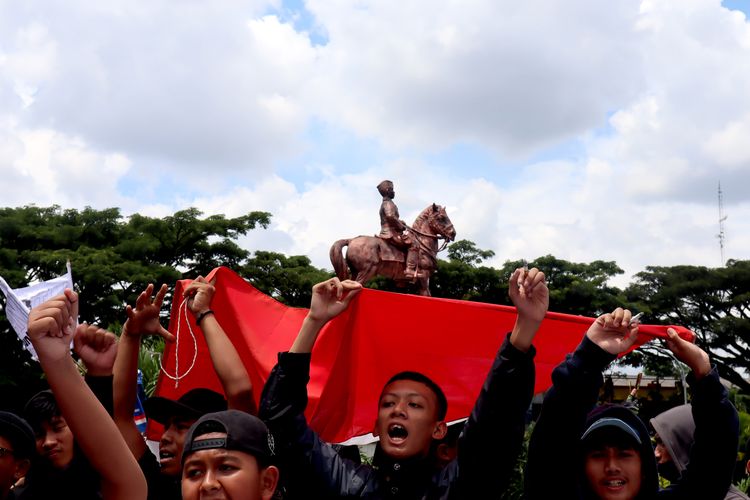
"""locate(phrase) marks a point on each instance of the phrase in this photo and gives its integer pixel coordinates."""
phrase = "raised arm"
(51, 328)
(493, 434)
(575, 387)
(97, 348)
(227, 362)
(716, 436)
(284, 400)
(329, 299)
(143, 320)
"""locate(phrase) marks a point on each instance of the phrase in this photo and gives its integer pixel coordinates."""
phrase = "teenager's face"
(55, 442)
(214, 474)
(171, 443)
(11, 468)
(660, 451)
(614, 473)
(407, 419)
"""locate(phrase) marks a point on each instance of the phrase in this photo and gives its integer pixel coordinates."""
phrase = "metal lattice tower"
(722, 218)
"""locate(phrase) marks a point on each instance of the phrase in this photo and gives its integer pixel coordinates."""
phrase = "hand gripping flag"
(381, 333)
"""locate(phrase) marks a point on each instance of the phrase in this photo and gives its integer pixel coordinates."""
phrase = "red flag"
(451, 341)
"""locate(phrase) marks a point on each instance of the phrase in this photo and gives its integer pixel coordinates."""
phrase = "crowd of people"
(79, 439)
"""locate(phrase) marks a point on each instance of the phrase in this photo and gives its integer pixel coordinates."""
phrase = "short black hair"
(40, 409)
(442, 401)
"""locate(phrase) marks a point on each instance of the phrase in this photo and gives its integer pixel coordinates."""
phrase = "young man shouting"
(411, 414)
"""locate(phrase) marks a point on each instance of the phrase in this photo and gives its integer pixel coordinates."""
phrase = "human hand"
(97, 348)
(613, 331)
(689, 353)
(330, 298)
(51, 326)
(199, 294)
(144, 319)
(529, 293)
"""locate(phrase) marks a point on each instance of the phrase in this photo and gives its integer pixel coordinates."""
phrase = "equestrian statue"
(405, 254)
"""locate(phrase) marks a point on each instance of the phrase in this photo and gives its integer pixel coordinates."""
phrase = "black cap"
(192, 405)
(612, 423)
(18, 433)
(245, 433)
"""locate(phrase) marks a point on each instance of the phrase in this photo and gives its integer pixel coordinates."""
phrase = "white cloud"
(215, 98)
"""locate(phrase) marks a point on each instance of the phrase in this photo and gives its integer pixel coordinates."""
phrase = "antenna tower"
(722, 218)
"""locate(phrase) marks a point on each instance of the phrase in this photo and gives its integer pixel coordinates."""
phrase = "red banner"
(451, 341)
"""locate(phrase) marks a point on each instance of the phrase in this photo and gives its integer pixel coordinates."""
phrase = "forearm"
(523, 333)
(102, 387)
(716, 436)
(576, 382)
(493, 435)
(124, 392)
(94, 431)
(307, 335)
(228, 365)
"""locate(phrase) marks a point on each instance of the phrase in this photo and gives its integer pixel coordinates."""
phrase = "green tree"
(466, 251)
(287, 279)
(113, 259)
(712, 302)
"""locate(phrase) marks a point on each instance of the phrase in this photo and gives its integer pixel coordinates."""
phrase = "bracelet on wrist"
(202, 315)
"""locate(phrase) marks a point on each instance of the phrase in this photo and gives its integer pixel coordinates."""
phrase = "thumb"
(73, 299)
(165, 334)
(349, 296)
(78, 338)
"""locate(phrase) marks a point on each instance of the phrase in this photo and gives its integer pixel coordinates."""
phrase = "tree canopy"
(114, 257)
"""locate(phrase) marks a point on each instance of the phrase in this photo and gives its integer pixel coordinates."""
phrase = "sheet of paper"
(20, 301)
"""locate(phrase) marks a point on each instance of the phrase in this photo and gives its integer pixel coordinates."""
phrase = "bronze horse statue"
(369, 256)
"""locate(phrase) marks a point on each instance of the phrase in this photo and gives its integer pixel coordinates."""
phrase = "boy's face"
(226, 474)
(407, 419)
(614, 472)
(11, 468)
(54, 442)
(171, 444)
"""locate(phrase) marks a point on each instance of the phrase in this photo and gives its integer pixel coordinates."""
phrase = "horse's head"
(439, 222)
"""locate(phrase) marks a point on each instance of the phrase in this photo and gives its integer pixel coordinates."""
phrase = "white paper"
(20, 301)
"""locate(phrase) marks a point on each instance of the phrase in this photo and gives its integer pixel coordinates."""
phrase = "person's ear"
(375, 430)
(269, 478)
(441, 429)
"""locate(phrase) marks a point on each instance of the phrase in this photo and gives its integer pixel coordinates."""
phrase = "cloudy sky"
(578, 128)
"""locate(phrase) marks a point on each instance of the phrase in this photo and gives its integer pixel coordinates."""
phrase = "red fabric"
(453, 342)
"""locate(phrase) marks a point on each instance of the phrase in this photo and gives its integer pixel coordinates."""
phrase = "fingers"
(165, 334)
(51, 317)
(142, 299)
(616, 319)
(674, 342)
(94, 337)
(160, 295)
(352, 288)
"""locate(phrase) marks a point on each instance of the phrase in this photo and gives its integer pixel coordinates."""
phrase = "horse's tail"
(337, 259)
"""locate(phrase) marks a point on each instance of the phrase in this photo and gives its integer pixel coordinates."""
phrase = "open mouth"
(165, 456)
(397, 432)
(614, 483)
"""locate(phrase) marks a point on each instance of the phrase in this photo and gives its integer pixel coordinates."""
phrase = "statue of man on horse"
(405, 254)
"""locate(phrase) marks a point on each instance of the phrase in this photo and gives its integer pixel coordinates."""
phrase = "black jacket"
(555, 464)
(487, 448)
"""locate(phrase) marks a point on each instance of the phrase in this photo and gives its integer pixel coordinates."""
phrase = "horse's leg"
(423, 286)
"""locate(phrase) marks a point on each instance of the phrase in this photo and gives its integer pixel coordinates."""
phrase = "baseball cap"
(18, 433)
(245, 433)
(612, 423)
(192, 405)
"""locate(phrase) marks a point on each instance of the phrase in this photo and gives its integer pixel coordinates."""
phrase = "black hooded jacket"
(487, 448)
(553, 472)
(676, 429)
